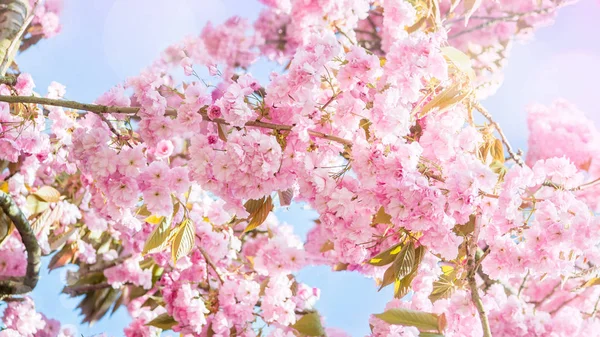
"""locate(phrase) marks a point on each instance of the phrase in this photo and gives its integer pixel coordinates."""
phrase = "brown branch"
(15, 17)
(508, 18)
(21, 285)
(9, 80)
(563, 304)
(586, 185)
(488, 116)
(103, 109)
(209, 262)
(15, 43)
(522, 286)
(472, 267)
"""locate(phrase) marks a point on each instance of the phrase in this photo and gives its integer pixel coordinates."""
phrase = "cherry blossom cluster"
(163, 191)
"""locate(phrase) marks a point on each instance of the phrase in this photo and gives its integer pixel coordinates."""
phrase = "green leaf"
(430, 334)
(386, 257)
(260, 214)
(36, 205)
(48, 194)
(459, 59)
(163, 321)
(158, 240)
(184, 240)
(310, 325)
(421, 320)
(154, 219)
(388, 277)
(404, 262)
(444, 287)
(402, 287)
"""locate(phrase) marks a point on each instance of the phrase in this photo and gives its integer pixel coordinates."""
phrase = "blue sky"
(103, 42)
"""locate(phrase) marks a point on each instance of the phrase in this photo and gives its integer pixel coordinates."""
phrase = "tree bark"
(14, 19)
(21, 285)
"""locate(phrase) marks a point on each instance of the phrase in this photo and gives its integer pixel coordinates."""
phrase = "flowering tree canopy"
(162, 190)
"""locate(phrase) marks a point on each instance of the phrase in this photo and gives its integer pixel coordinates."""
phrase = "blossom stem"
(507, 18)
(523, 284)
(210, 263)
(103, 109)
(472, 266)
(488, 116)
(21, 285)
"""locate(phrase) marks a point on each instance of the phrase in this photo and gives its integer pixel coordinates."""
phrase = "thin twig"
(595, 307)
(103, 109)
(21, 285)
(472, 271)
(562, 305)
(494, 20)
(210, 263)
(586, 185)
(522, 286)
(488, 116)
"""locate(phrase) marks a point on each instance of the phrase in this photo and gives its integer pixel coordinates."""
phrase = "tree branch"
(103, 109)
(472, 272)
(488, 116)
(21, 285)
(210, 263)
(15, 17)
(494, 20)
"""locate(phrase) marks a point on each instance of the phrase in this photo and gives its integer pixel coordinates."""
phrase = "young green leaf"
(444, 287)
(310, 325)
(36, 205)
(424, 321)
(184, 240)
(163, 321)
(404, 262)
(388, 278)
(48, 194)
(158, 240)
(386, 257)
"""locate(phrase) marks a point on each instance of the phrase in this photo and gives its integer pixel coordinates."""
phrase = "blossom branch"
(507, 18)
(210, 263)
(472, 266)
(488, 116)
(21, 285)
(16, 17)
(103, 109)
